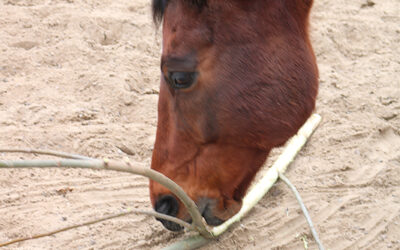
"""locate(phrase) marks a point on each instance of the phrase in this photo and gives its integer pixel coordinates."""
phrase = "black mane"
(158, 7)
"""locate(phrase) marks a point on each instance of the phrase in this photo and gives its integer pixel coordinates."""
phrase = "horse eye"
(181, 80)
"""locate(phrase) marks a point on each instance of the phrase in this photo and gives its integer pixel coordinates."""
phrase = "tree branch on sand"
(255, 194)
(120, 166)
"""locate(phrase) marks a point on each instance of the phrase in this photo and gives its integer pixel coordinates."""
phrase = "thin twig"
(46, 152)
(121, 167)
(303, 208)
(130, 211)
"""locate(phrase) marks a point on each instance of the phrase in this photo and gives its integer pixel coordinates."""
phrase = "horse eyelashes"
(181, 80)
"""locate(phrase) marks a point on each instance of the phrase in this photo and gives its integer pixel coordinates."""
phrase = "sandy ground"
(82, 76)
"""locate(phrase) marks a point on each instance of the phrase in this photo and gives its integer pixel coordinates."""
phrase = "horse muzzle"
(169, 205)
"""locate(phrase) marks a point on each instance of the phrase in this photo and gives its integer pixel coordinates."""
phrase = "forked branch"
(253, 196)
(121, 167)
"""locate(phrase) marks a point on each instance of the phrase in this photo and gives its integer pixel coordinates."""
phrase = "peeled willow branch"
(261, 187)
(198, 223)
(130, 211)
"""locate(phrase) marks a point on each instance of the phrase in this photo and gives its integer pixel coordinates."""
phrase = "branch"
(249, 201)
(264, 184)
(303, 208)
(121, 167)
(46, 152)
(130, 211)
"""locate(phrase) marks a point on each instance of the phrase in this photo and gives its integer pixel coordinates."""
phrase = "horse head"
(238, 78)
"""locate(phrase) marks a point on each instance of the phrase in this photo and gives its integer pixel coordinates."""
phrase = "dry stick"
(303, 208)
(121, 167)
(46, 152)
(130, 211)
(261, 187)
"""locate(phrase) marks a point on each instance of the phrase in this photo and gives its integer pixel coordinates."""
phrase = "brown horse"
(238, 77)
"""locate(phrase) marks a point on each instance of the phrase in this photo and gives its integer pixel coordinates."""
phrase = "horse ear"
(158, 8)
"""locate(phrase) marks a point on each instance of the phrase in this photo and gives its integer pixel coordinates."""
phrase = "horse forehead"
(224, 18)
(202, 9)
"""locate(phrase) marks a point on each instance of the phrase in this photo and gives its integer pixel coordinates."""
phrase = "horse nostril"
(181, 80)
(168, 205)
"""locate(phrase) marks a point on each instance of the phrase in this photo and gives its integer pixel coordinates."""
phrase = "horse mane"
(158, 8)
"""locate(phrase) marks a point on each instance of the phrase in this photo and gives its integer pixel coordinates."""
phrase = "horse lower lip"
(213, 221)
(210, 218)
(172, 226)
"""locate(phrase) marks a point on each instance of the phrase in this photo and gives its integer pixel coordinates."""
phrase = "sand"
(82, 77)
